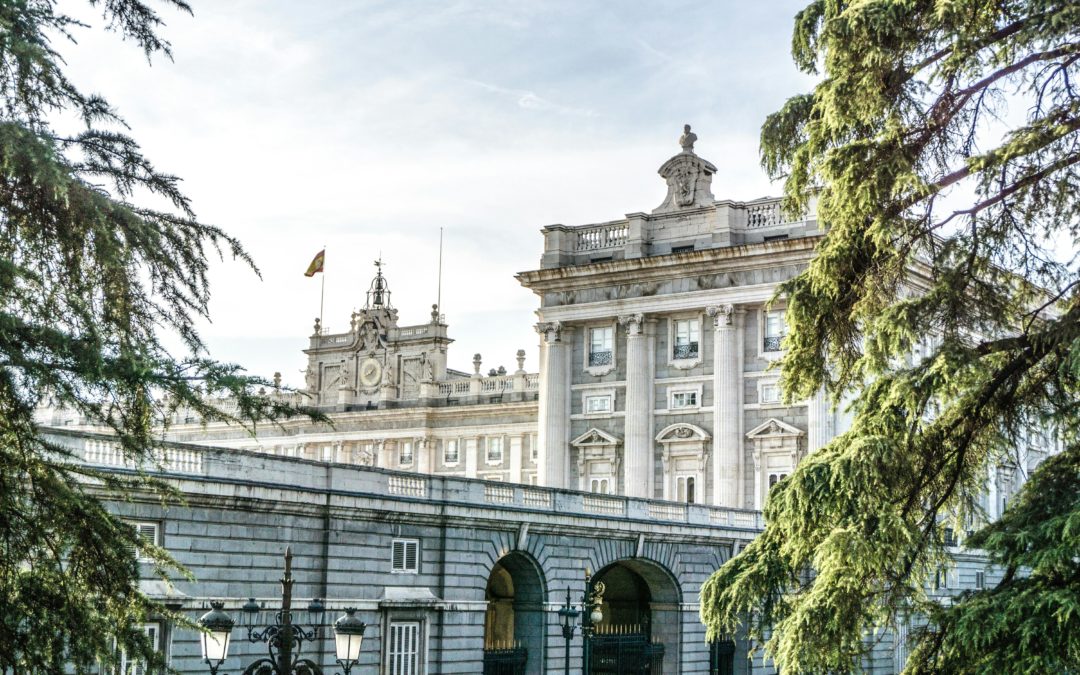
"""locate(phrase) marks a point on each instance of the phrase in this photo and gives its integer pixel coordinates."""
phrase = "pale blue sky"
(368, 125)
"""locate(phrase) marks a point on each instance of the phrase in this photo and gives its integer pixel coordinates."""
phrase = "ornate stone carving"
(345, 379)
(311, 378)
(550, 331)
(633, 323)
(722, 315)
(688, 177)
(427, 371)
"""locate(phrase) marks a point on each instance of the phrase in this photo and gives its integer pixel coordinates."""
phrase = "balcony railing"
(772, 343)
(686, 351)
(597, 237)
(600, 358)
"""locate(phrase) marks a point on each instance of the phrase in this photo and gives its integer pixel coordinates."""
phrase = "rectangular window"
(405, 453)
(450, 452)
(405, 556)
(687, 337)
(770, 392)
(684, 399)
(150, 532)
(598, 404)
(403, 651)
(774, 330)
(600, 346)
(131, 666)
(980, 580)
(599, 486)
(495, 450)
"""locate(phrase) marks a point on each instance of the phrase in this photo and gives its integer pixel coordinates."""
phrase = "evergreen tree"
(91, 278)
(941, 144)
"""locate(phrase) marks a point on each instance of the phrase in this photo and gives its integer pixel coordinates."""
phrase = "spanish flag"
(316, 264)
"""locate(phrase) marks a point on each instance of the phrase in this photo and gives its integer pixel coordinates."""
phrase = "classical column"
(818, 431)
(553, 425)
(637, 445)
(515, 459)
(422, 448)
(727, 446)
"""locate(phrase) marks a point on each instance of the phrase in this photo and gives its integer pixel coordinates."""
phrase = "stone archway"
(642, 598)
(514, 620)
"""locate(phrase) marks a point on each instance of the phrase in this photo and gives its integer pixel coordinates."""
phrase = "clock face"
(370, 371)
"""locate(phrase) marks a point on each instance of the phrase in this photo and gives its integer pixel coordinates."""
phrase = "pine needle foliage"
(940, 148)
(91, 278)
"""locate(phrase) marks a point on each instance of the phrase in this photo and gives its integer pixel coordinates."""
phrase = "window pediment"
(682, 432)
(774, 429)
(595, 438)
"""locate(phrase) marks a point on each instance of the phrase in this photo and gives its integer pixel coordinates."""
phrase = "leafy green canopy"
(89, 281)
(942, 145)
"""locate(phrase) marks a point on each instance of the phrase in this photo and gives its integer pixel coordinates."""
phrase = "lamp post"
(568, 616)
(285, 638)
(591, 614)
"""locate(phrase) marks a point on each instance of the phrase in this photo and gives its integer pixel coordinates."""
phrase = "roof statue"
(686, 141)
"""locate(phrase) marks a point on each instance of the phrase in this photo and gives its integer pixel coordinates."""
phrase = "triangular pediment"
(594, 437)
(774, 428)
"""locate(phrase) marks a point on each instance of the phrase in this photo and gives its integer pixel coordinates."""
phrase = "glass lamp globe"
(597, 616)
(348, 636)
(215, 641)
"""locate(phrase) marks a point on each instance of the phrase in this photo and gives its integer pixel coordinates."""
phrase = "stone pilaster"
(818, 421)
(553, 425)
(727, 380)
(515, 458)
(637, 444)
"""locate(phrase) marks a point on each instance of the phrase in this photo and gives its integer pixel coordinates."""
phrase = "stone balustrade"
(720, 224)
(240, 467)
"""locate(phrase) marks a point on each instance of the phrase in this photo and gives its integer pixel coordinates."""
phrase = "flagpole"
(438, 292)
(322, 291)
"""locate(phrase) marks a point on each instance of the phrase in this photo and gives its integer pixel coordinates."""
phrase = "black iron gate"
(722, 657)
(505, 661)
(627, 654)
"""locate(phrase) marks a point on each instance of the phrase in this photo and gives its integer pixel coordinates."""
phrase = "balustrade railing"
(498, 494)
(602, 236)
(408, 486)
(100, 452)
(612, 506)
(764, 214)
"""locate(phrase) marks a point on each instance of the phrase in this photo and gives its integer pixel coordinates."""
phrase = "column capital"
(722, 315)
(633, 323)
(550, 331)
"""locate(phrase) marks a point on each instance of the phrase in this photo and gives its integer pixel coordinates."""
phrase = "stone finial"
(434, 313)
(476, 361)
(686, 141)
(318, 325)
(501, 370)
(521, 360)
(277, 380)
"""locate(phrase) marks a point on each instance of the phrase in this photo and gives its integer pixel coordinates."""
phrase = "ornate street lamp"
(215, 641)
(568, 616)
(591, 614)
(348, 636)
(284, 639)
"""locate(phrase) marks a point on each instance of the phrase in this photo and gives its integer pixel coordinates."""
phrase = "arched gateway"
(641, 629)
(514, 621)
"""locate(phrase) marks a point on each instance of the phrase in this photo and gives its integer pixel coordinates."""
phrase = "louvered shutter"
(398, 556)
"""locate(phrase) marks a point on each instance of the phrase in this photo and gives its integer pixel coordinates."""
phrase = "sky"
(365, 127)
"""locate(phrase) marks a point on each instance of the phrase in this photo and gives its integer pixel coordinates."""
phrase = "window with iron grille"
(600, 346)
(687, 338)
(405, 556)
(405, 452)
(403, 649)
(774, 330)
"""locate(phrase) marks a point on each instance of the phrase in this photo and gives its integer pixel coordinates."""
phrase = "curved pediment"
(595, 437)
(682, 431)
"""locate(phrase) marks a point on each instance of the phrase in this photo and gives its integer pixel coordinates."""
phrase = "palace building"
(457, 510)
